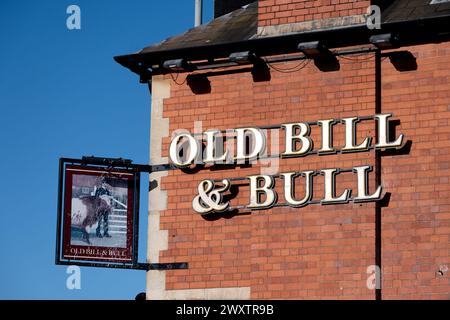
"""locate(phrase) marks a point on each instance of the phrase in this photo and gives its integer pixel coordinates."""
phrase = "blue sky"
(62, 94)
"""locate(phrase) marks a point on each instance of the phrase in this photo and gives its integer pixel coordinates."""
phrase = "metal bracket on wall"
(137, 266)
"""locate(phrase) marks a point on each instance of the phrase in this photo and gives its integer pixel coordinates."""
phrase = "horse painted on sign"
(89, 211)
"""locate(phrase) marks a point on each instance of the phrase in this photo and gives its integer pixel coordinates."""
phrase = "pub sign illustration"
(98, 214)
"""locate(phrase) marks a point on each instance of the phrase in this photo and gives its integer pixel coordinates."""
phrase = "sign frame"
(104, 165)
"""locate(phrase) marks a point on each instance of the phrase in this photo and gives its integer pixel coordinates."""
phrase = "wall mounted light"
(323, 58)
(260, 71)
(244, 57)
(313, 49)
(384, 41)
(176, 65)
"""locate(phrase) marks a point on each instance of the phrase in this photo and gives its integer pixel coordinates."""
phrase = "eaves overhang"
(409, 32)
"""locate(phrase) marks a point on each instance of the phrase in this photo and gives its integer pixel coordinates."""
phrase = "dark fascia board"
(413, 32)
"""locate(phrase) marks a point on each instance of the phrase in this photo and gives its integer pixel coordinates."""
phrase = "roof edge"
(410, 32)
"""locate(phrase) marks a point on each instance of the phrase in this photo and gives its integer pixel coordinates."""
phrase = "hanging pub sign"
(98, 214)
(98, 202)
(186, 150)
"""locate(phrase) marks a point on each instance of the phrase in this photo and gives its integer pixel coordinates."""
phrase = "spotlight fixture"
(244, 57)
(384, 41)
(314, 49)
(260, 71)
(323, 58)
(176, 65)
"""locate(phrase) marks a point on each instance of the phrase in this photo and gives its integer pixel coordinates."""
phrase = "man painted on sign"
(88, 212)
(103, 192)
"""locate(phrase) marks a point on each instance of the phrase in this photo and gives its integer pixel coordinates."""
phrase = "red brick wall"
(275, 12)
(416, 225)
(321, 252)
